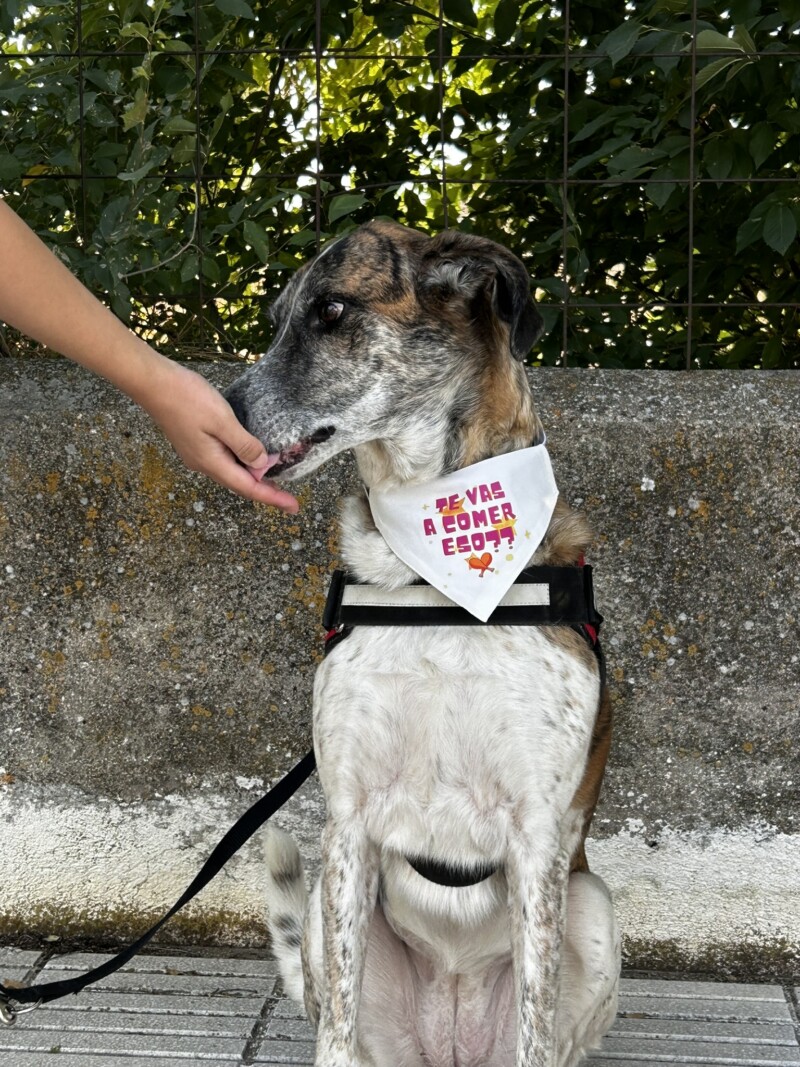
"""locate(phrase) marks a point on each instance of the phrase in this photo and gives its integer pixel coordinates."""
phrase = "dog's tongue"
(259, 471)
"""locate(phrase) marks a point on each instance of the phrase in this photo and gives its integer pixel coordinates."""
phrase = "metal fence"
(643, 159)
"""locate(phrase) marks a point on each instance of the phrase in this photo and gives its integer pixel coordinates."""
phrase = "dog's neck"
(503, 421)
(486, 416)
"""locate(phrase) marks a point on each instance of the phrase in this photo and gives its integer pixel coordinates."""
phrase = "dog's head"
(386, 338)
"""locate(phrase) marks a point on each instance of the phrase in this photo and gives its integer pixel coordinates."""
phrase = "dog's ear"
(459, 267)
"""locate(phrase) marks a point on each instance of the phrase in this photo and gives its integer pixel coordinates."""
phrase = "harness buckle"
(9, 1013)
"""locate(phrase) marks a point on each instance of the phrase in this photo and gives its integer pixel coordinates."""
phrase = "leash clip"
(8, 1013)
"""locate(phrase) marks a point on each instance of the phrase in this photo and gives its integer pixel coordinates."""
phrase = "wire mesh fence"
(183, 156)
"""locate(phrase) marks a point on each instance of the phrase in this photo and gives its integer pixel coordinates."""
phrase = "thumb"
(246, 448)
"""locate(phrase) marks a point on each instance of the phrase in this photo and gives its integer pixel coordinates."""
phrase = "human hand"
(197, 420)
(202, 428)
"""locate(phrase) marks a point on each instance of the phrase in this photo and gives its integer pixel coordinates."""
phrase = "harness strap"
(239, 833)
(541, 596)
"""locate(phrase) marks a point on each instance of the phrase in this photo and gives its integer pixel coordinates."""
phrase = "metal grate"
(770, 320)
(160, 1010)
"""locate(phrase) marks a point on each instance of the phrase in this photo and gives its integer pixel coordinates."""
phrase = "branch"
(179, 252)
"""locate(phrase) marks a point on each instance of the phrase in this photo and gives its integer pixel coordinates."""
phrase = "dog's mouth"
(280, 462)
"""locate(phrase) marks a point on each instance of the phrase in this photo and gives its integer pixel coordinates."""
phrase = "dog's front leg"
(537, 871)
(349, 890)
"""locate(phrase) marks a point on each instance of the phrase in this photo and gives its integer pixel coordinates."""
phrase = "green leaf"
(771, 353)
(258, 239)
(711, 41)
(745, 9)
(506, 19)
(780, 228)
(157, 157)
(302, 239)
(748, 232)
(432, 45)
(607, 115)
(742, 351)
(718, 157)
(137, 112)
(460, 11)
(10, 167)
(632, 158)
(743, 38)
(178, 124)
(619, 43)
(189, 267)
(660, 191)
(788, 120)
(235, 211)
(392, 27)
(579, 267)
(554, 286)
(111, 217)
(72, 112)
(520, 133)
(138, 174)
(762, 142)
(211, 269)
(607, 148)
(15, 93)
(705, 74)
(345, 204)
(238, 8)
(134, 29)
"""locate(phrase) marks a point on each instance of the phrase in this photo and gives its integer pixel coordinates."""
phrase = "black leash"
(242, 830)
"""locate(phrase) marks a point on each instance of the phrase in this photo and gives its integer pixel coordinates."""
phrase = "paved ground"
(166, 1010)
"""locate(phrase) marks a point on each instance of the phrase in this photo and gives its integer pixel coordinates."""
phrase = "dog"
(479, 749)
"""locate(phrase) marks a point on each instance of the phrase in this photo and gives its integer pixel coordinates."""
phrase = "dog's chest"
(436, 732)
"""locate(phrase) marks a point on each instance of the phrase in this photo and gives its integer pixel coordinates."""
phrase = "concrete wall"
(158, 639)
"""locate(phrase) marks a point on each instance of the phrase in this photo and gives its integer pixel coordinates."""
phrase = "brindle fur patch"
(567, 539)
(585, 800)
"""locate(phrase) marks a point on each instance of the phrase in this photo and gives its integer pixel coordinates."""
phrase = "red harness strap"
(588, 628)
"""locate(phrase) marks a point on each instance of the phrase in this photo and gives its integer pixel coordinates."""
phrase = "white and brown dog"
(476, 749)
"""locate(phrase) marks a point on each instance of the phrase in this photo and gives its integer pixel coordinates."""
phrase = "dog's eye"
(330, 311)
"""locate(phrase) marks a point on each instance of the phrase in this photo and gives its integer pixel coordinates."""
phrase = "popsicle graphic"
(480, 563)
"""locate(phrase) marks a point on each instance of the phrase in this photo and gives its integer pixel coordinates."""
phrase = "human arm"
(42, 299)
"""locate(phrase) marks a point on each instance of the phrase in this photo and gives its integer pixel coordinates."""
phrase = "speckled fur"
(470, 746)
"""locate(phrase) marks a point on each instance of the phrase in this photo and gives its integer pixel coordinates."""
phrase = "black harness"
(567, 600)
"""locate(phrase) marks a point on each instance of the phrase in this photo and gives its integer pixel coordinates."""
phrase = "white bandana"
(470, 533)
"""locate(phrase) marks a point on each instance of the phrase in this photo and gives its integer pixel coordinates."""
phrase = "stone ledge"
(159, 636)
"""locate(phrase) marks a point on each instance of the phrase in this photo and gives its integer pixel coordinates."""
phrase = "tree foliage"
(173, 163)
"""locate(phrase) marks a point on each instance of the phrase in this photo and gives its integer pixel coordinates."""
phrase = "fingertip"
(284, 501)
(242, 481)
